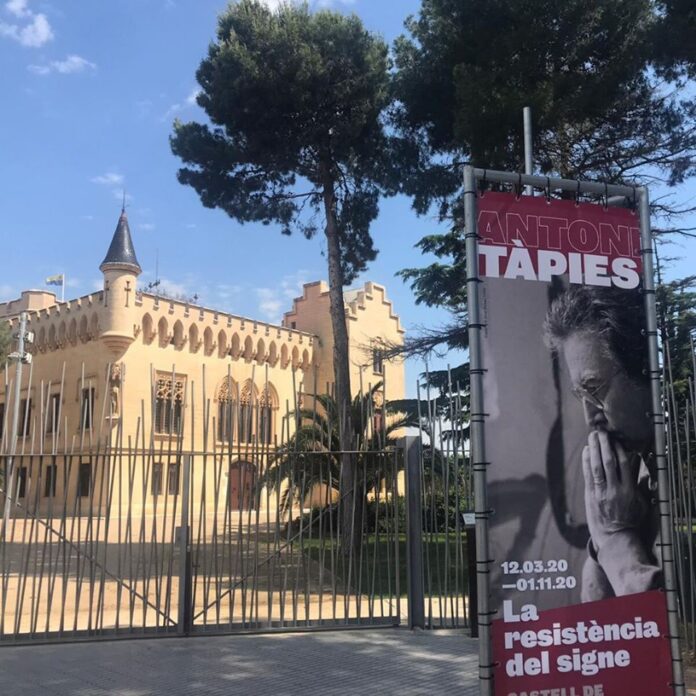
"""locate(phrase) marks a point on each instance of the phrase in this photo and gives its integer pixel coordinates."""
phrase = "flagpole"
(62, 288)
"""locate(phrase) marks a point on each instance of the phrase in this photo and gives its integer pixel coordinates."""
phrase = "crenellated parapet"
(359, 299)
(176, 326)
(64, 324)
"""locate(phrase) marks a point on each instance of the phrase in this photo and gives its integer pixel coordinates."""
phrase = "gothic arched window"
(227, 399)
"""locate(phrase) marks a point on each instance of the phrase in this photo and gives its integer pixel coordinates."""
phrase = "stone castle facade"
(123, 367)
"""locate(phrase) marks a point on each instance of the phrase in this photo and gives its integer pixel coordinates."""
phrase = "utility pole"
(21, 357)
(528, 154)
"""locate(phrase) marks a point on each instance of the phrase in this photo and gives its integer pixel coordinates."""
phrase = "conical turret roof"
(121, 254)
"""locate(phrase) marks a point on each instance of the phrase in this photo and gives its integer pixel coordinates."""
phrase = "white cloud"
(176, 108)
(274, 301)
(191, 99)
(72, 282)
(146, 226)
(18, 8)
(225, 292)
(173, 109)
(269, 303)
(72, 64)
(275, 4)
(97, 284)
(32, 35)
(108, 179)
(176, 290)
(88, 217)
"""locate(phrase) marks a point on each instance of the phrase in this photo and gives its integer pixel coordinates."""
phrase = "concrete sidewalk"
(365, 662)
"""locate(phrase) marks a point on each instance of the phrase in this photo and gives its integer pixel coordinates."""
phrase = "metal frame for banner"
(638, 195)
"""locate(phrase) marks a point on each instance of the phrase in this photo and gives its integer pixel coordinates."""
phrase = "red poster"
(574, 530)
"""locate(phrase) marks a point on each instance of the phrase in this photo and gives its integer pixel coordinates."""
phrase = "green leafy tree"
(296, 102)
(465, 71)
(676, 309)
(312, 456)
(675, 37)
(468, 68)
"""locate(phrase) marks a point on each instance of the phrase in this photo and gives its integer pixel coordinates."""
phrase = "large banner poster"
(574, 529)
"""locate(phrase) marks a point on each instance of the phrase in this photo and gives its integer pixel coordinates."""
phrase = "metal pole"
(478, 454)
(664, 493)
(414, 532)
(10, 471)
(184, 620)
(528, 163)
(496, 176)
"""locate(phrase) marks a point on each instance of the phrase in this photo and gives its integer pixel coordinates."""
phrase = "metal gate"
(161, 543)
(107, 535)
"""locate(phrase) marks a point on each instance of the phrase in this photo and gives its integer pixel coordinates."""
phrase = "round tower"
(121, 270)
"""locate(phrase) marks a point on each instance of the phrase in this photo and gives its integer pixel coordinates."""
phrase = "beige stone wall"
(122, 346)
(371, 322)
(30, 301)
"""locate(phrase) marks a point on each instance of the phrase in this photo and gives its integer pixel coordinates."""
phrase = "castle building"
(126, 368)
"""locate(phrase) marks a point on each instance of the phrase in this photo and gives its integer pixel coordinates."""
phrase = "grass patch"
(374, 570)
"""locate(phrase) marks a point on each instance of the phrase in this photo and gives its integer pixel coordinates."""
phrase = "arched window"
(62, 334)
(208, 343)
(94, 327)
(245, 426)
(260, 352)
(178, 337)
(163, 332)
(222, 344)
(227, 400)
(248, 349)
(272, 354)
(194, 343)
(148, 333)
(234, 346)
(268, 403)
(72, 332)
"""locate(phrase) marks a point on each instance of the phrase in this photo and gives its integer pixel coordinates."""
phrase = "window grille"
(378, 360)
(87, 396)
(156, 480)
(169, 398)
(50, 480)
(84, 486)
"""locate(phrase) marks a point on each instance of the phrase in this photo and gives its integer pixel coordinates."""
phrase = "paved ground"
(387, 661)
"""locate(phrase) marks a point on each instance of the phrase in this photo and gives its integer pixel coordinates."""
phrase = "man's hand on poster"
(612, 500)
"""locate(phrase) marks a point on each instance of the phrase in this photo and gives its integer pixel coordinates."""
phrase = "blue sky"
(90, 90)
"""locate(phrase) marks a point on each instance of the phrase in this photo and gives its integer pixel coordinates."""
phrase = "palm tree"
(310, 461)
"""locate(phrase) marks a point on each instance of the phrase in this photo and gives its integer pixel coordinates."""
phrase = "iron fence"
(133, 534)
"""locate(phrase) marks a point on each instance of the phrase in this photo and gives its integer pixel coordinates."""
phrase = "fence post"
(185, 614)
(411, 446)
(470, 532)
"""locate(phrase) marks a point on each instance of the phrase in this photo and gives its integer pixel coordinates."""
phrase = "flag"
(56, 279)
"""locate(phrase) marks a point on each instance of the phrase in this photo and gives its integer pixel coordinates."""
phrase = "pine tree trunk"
(349, 529)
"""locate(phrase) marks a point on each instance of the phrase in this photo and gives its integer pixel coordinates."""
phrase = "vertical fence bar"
(660, 453)
(414, 532)
(478, 454)
(185, 612)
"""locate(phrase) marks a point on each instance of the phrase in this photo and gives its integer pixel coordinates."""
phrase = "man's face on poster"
(612, 401)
